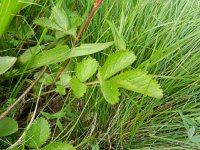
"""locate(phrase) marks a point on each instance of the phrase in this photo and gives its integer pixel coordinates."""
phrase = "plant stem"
(19, 141)
(96, 6)
(68, 87)
(66, 63)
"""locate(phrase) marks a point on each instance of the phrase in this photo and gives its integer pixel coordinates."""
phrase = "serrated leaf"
(78, 88)
(59, 34)
(6, 63)
(8, 126)
(115, 63)
(87, 49)
(60, 21)
(59, 146)
(86, 69)
(118, 38)
(139, 81)
(58, 54)
(110, 92)
(76, 20)
(61, 17)
(47, 23)
(38, 133)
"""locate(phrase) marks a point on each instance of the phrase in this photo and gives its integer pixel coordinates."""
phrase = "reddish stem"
(66, 63)
(96, 6)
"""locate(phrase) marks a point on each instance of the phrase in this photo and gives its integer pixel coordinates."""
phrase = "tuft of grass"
(164, 35)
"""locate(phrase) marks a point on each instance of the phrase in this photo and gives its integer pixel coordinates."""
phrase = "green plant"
(12, 8)
(115, 62)
(39, 133)
(6, 62)
(134, 80)
(78, 77)
(8, 126)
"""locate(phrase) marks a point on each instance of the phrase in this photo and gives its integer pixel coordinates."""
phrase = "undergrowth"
(163, 35)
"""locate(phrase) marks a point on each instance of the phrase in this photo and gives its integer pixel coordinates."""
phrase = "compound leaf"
(60, 21)
(86, 69)
(46, 78)
(64, 79)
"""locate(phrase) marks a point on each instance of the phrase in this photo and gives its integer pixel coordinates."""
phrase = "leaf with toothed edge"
(139, 81)
(38, 133)
(115, 63)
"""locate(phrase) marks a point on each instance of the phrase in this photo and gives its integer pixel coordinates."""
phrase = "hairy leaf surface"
(47, 23)
(64, 22)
